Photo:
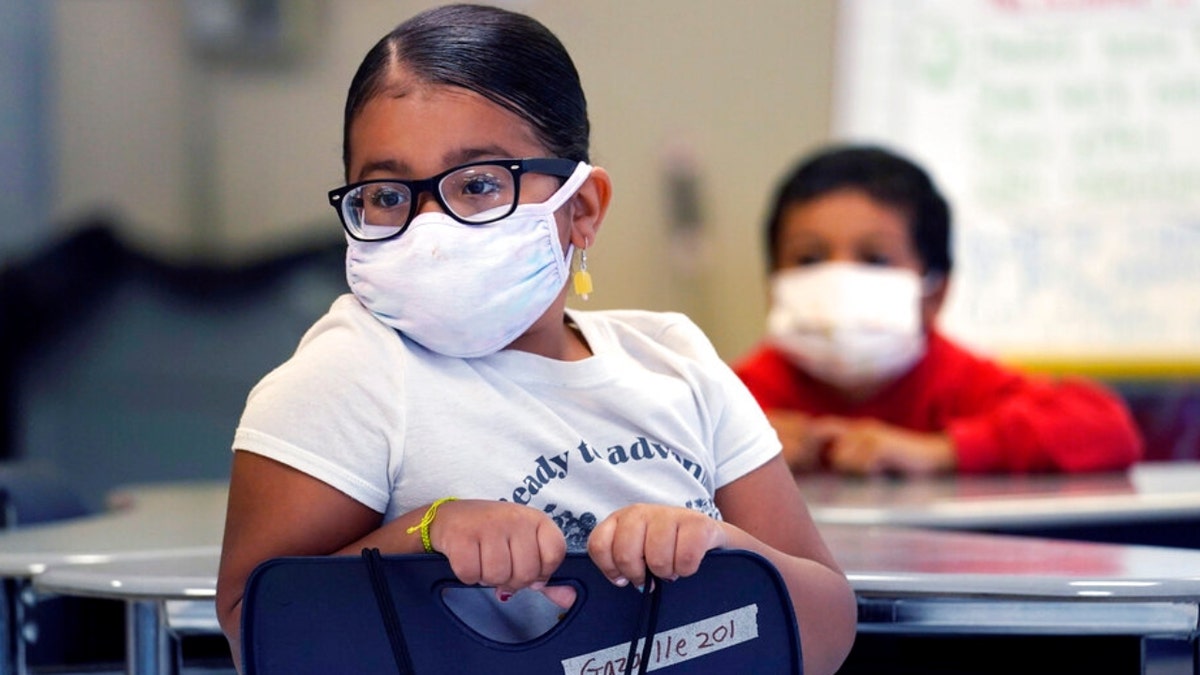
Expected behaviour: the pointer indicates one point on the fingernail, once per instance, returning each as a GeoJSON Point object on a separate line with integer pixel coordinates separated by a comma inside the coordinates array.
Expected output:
{"type": "Point", "coordinates": [503, 595]}
{"type": "Point", "coordinates": [537, 585]}
{"type": "Point", "coordinates": [620, 582]}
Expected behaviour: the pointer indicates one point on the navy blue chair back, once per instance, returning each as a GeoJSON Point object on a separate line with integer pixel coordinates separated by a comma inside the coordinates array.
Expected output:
{"type": "Point", "coordinates": [323, 615]}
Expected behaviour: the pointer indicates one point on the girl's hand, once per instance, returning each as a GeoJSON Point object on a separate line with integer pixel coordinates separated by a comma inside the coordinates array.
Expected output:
{"type": "Point", "coordinates": [669, 540]}
{"type": "Point", "coordinates": [498, 544]}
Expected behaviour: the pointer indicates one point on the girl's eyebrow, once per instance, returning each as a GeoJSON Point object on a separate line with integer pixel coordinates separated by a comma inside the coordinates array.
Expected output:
{"type": "Point", "coordinates": [387, 166]}
{"type": "Point", "coordinates": [395, 167]}
{"type": "Point", "coordinates": [471, 154]}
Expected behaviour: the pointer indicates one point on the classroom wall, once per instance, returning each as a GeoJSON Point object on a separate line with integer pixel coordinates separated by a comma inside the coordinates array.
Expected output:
{"type": "Point", "coordinates": [231, 159]}
{"type": "Point", "coordinates": [24, 171]}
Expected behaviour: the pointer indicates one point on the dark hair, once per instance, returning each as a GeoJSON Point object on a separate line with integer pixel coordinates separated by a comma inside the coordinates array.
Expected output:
{"type": "Point", "coordinates": [886, 177]}
{"type": "Point", "coordinates": [508, 58]}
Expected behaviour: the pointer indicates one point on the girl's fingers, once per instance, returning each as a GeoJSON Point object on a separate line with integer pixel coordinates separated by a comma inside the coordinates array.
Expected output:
{"type": "Point", "coordinates": [502, 545]}
{"type": "Point", "coordinates": [496, 556]}
{"type": "Point", "coordinates": [671, 542]}
{"type": "Point", "coordinates": [563, 596]}
{"type": "Point", "coordinates": [600, 549]}
{"type": "Point", "coordinates": [628, 546]}
{"type": "Point", "coordinates": [464, 562]}
{"type": "Point", "coordinates": [691, 543]}
{"type": "Point", "coordinates": [659, 547]}
{"type": "Point", "coordinates": [552, 548]}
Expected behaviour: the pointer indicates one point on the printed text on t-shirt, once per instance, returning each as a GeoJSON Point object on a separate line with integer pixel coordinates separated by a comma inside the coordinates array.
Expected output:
{"type": "Point", "coordinates": [548, 468]}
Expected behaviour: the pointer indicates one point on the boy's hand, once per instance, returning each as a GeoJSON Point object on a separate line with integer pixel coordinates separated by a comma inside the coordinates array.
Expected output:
{"type": "Point", "coordinates": [871, 447]}
{"type": "Point", "coordinates": [801, 447]}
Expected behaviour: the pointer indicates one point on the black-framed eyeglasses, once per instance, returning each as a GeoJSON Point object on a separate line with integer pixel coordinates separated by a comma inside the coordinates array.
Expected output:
{"type": "Point", "coordinates": [475, 193]}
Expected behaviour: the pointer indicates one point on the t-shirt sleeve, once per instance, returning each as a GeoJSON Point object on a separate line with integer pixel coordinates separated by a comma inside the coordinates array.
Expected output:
{"type": "Point", "coordinates": [742, 438]}
{"type": "Point", "coordinates": [329, 410]}
{"type": "Point", "coordinates": [768, 377]}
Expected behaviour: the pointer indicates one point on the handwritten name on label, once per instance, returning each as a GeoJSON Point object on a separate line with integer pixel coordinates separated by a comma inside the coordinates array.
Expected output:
{"type": "Point", "coordinates": [673, 646]}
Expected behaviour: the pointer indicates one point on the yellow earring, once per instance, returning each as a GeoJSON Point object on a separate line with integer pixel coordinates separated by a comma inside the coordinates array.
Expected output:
{"type": "Point", "coordinates": [581, 278]}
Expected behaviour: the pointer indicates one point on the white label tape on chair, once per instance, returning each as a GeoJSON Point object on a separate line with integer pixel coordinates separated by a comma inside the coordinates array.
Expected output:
{"type": "Point", "coordinates": [677, 645]}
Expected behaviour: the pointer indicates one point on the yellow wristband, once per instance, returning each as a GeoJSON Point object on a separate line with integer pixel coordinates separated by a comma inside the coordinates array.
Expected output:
{"type": "Point", "coordinates": [427, 520]}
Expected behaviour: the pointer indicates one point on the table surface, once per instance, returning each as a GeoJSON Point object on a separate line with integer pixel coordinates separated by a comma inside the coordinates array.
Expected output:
{"type": "Point", "coordinates": [155, 519]}
{"type": "Point", "coordinates": [163, 543]}
{"type": "Point", "coordinates": [158, 529]}
{"type": "Point", "coordinates": [181, 575]}
{"type": "Point", "coordinates": [942, 582]}
{"type": "Point", "coordinates": [933, 562]}
{"type": "Point", "coordinates": [1147, 492]}
{"type": "Point", "coordinates": [146, 521]}
{"type": "Point", "coordinates": [876, 559]}
{"type": "Point", "coordinates": [950, 580]}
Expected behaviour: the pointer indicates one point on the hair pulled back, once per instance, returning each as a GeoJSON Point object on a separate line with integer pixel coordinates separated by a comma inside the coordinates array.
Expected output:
{"type": "Point", "coordinates": [509, 58]}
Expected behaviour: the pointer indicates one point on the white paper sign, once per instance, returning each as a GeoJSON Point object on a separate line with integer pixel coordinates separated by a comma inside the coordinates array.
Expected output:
{"type": "Point", "coordinates": [1065, 135]}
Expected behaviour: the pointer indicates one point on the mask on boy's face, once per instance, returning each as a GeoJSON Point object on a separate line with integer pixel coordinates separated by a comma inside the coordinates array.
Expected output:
{"type": "Point", "coordinates": [846, 324]}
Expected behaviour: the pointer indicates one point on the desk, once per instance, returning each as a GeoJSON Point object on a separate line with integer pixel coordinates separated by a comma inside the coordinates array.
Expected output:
{"type": "Point", "coordinates": [1143, 602]}
{"type": "Point", "coordinates": [1135, 608]}
{"type": "Point", "coordinates": [1153, 503]}
{"type": "Point", "coordinates": [165, 596]}
{"type": "Point", "coordinates": [147, 523]}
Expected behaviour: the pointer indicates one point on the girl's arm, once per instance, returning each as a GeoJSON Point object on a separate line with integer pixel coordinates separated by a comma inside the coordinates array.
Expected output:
{"type": "Point", "coordinates": [763, 512]}
{"type": "Point", "coordinates": [275, 510]}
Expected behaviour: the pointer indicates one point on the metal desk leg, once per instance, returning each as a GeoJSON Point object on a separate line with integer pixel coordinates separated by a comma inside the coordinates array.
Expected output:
{"type": "Point", "coordinates": [148, 647]}
{"type": "Point", "coordinates": [1162, 656]}
{"type": "Point", "coordinates": [9, 633]}
{"type": "Point", "coordinates": [16, 597]}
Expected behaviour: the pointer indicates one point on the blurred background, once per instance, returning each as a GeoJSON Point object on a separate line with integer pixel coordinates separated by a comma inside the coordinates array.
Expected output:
{"type": "Point", "coordinates": [165, 165]}
{"type": "Point", "coordinates": [212, 128]}
{"type": "Point", "coordinates": [165, 237]}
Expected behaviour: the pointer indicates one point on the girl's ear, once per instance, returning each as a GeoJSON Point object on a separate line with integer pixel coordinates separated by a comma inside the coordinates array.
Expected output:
{"type": "Point", "coordinates": [588, 207]}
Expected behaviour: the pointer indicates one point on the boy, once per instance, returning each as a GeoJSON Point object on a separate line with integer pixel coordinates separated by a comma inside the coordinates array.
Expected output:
{"type": "Point", "coordinates": [853, 372]}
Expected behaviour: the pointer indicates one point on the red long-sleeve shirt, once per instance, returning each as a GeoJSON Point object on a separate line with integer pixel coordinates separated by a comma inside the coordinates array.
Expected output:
{"type": "Point", "coordinates": [998, 419]}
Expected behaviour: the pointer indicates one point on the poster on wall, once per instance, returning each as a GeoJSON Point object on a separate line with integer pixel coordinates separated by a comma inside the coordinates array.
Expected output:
{"type": "Point", "coordinates": [1066, 136]}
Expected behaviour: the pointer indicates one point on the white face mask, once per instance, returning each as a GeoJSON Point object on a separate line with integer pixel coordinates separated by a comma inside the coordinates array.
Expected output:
{"type": "Point", "coordinates": [466, 290]}
{"type": "Point", "coordinates": [848, 325]}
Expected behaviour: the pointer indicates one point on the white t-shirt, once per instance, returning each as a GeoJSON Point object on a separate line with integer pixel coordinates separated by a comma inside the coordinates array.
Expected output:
{"type": "Point", "coordinates": [653, 416]}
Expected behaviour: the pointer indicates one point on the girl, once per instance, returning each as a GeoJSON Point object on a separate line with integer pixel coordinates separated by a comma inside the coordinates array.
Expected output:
{"type": "Point", "coordinates": [455, 370]}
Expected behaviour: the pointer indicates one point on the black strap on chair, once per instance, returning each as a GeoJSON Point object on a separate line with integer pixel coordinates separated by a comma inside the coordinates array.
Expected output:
{"type": "Point", "coordinates": [646, 626]}
{"type": "Point", "coordinates": [387, 610]}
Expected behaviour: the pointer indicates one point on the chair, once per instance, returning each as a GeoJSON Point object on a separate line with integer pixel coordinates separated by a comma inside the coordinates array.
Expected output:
{"type": "Point", "coordinates": [380, 614]}
{"type": "Point", "coordinates": [40, 631]}
{"type": "Point", "coordinates": [32, 494]}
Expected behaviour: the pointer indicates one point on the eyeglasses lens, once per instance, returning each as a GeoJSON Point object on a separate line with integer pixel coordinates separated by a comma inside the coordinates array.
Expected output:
{"type": "Point", "coordinates": [377, 210]}
{"type": "Point", "coordinates": [473, 194]}
{"type": "Point", "coordinates": [477, 194]}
